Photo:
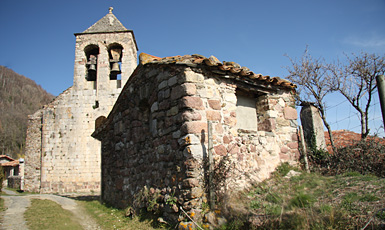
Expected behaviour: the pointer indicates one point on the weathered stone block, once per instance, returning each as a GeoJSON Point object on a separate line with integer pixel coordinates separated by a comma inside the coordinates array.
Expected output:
{"type": "Point", "coordinates": [284, 149]}
{"type": "Point", "coordinates": [189, 139]}
{"type": "Point", "coordinates": [267, 125]}
{"type": "Point", "coordinates": [290, 113]}
{"type": "Point", "coordinates": [190, 88]}
{"type": "Point", "coordinates": [227, 139]}
{"type": "Point", "coordinates": [191, 164]}
{"type": "Point", "coordinates": [195, 151]}
{"type": "Point", "coordinates": [164, 105]}
{"type": "Point", "coordinates": [194, 127]}
{"type": "Point", "coordinates": [196, 192]}
{"type": "Point", "coordinates": [162, 85]}
{"type": "Point", "coordinates": [194, 77]}
{"type": "Point", "coordinates": [192, 102]}
{"type": "Point", "coordinates": [284, 156]}
{"type": "Point", "coordinates": [233, 149]}
{"type": "Point", "coordinates": [213, 115]}
{"type": "Point", "coordinates": [230, 121]}
{"type": "Point", "coordinates": [172, 81]}
{"type": "Point", "coordinates": [191, 116]}
{"type": "Point", "coordinates": [173, 111]}
{"type": "Point", "coordinates": [282, 122]}
{"type": "Point", "coordinates": [293, 145]}
{"type": "Point", "coordinates": [154, 107]}
{"type": "Point", "coordinates": [190, 183]}
{"type": "Point", "coordinates": [219, 128]}
{"type": "Point", "coordinates": [215, 104]}
{"type": "Point", "coordinates": [220, 150]}
{"type": "Point", "coordinates": [177, 92]}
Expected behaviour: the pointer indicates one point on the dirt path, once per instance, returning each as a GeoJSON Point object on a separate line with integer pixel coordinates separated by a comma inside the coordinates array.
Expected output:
{"type": "Point", "coordinates": [16, 205]}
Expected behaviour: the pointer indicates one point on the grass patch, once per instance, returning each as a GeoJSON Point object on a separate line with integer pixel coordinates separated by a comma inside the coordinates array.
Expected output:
{"type": "Point", "coordinates": [2, 208]}
{"type": "Point", "coordinates": [302, 200]}
{"type": "Point", "coordinates": [112, 218]}
{"type": "Point", "coordinates": [313, 201]}
{"type": "Point", "coordinates": [47, 214]}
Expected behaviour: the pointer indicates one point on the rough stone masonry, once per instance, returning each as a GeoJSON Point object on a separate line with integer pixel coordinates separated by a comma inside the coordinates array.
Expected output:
{"type": "Point", "coordinates": [154, 141]}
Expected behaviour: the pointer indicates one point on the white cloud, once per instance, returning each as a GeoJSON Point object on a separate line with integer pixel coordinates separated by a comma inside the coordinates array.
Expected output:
{"type": "Point", "coordinates": [371, 41]}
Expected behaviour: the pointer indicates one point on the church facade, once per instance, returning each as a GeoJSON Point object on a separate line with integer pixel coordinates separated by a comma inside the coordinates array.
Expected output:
{"type": "Point", "coordinates": [61, 156]}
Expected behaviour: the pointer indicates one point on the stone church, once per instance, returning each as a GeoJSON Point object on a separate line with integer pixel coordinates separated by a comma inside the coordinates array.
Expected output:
{"type": "Point", "coordinates": [61, 156]}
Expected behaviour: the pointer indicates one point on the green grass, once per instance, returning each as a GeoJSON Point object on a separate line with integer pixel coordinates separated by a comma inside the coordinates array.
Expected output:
{"type": "Point", "coordinates": [46, 214]}
{"type": "Point", "coordinates": [312, 201]}
{"type": "Point", "coordinates": [2, 208]}
{"type": "Point", "coordinates": [112, 218]}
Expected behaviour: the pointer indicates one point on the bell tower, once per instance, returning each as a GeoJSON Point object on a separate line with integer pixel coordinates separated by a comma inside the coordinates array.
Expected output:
{"type": "Point", "coordinates": [105, 56]}
{"type": "Point", "coordinates": [61, 156]}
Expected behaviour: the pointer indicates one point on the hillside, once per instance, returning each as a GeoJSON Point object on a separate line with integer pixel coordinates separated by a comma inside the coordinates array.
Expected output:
{"type": "Point", "coordinates": [19, 97]}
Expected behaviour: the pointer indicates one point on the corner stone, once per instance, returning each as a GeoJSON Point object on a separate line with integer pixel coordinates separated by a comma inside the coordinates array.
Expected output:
{"type": "Point", "coordinates": [290, 113]}
{"type": "Point", "coordinates": [192, 102]}
{"type": "Point", "coordinates": [194, 127]}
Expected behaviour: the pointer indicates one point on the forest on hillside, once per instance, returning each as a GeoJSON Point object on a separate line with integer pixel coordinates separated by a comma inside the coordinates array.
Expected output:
{"type": "Point", "coordinates": [19, 97]}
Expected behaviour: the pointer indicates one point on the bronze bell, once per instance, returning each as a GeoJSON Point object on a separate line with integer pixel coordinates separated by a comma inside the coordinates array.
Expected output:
{"type": "Point", "coordinates": [92, 67]}
{"type": "Point", "coordinates": [92, 63]}
{"type": "Point", "coordinates": [115, 68]}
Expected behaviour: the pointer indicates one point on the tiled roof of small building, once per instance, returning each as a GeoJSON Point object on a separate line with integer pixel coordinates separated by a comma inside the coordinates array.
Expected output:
{"type": "Point", "coordinates": [7, 157]}
{"type": "Point", "coordinates": [108, 23]}
{"type": "Point", "coordinates": [224, 68]}
{"type": "Point", "coordinates": [10, 163]}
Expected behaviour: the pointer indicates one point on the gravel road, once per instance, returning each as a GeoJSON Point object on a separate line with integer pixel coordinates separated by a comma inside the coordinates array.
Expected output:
{"type": "Point", "coordinates": [13, 217]}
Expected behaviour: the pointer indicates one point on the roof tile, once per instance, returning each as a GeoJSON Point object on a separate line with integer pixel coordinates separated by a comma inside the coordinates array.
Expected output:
{"type": "Point", "coordinates": [10, 163]}
{"type": "Point", "coordinates": [217, 67]}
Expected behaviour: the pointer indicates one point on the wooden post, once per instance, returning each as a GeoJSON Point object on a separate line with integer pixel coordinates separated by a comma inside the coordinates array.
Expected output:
{"type": "Point", "coordinates": [211, 166]}
{"type": "Point", "coordinates": [303, 148]}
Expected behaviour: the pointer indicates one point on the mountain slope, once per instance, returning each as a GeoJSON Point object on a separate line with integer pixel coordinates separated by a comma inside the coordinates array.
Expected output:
{"type": "Point", "coordinates": [19, 97]}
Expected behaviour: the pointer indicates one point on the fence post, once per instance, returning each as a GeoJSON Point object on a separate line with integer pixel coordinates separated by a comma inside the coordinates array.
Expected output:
{"type": "Point", "coordinates": [211, 162]}
{"type": "Point", "coordinates": [303, 148]}
{"type": "Point", "coordinates": [381, 94]}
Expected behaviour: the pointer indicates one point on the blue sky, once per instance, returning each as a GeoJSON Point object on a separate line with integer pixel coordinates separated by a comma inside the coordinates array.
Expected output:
{"type": "Point", "coordinates": [37, 36]}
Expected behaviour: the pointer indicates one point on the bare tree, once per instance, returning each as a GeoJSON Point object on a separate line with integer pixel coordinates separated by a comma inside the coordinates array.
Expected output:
{"type": "Point", "coordinates": [314, 81]}
{"type": "Point", "coordinates": [357, 83]}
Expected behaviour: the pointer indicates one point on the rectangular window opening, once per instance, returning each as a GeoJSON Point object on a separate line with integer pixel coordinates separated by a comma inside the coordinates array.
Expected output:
{"type": "Point", "coordinates": [246, 111]}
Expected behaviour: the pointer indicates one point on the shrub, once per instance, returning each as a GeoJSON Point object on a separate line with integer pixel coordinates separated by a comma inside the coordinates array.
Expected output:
{"type": "Point", "coordinates": [283, 169]}
{"type": "Point", "coordinates": [302, 200]}
{"type": "Point", "coordinates": [365, 157]}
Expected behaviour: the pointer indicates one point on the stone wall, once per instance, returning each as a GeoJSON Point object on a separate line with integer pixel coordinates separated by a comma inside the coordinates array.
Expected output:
{"type": "Point", "coordinates": [154, 142]}
{"type": "Point", "coordinates": [32, 172]}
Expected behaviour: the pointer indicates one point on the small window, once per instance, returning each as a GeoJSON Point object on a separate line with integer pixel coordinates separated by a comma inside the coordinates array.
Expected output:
{"type": "Point", "coordinates": [246, 111]}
